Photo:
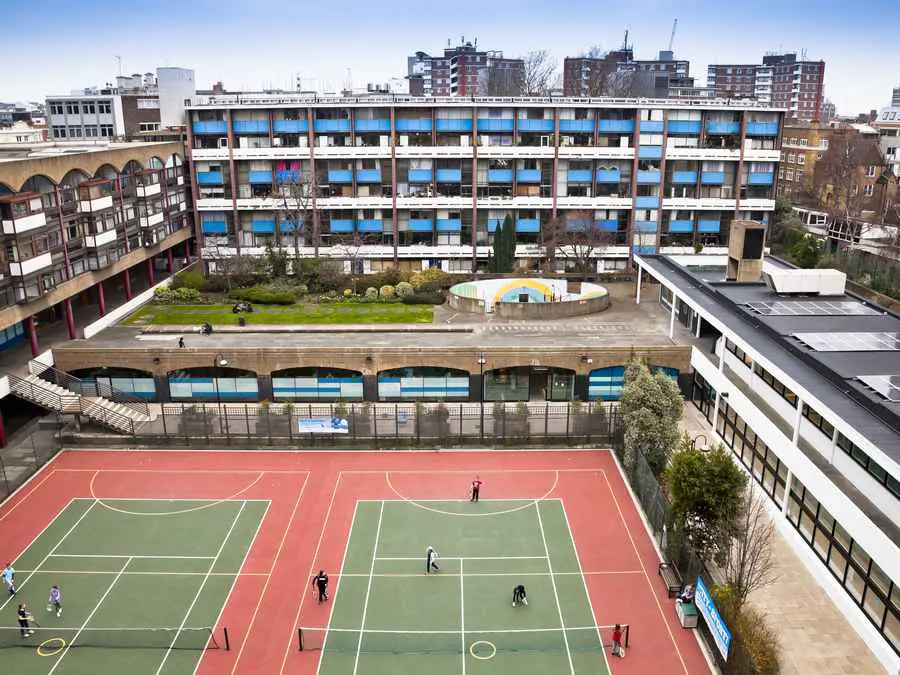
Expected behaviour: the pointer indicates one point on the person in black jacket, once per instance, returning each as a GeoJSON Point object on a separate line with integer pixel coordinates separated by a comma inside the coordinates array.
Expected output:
{"type": "Point", "coordinates": [320, 581]}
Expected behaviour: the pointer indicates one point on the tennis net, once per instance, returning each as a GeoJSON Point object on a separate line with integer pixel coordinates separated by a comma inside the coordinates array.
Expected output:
{"type": "Point", "coordinates": [51, 638]}
{"type": "Point", "coordinates": [581, 638]}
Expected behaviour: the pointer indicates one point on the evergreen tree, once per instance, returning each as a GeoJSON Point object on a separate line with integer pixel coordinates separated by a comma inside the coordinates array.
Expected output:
{"type": "Point", "coordinates": [504, 251]}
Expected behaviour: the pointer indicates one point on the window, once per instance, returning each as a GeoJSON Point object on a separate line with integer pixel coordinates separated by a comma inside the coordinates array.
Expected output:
{"type": "Point", "coordinates": [801, 158]}
{"type": "Point", "coordinates": [149, 126]}
{"type": "Point", "coordinates": [148, 103]}
{"type": "Point", "coordinates": [104, 107]}
{"type": "Point", "coordinates": [106, 130]}
{"type": "Point", "coordinates": [854, 189]}
{"type": "Point", "coordinates": [779, 388]}
{"type": "Point", "coordinates": [59, 132]}
{"type": "Point", "coordinates": [71, 108]}
{"type": "Point", "coordinates": [738, 352]}
{"type": "Point", "coordinates": [871, 172]}
{"type": "Point", "coordinates": [90, 132]}
{"type": "Point", "coordinates": [868, 190]}
{"type": "Point", "coordinates": [88, 108]}
{"type": "Point", "coordinates": [57, 109]}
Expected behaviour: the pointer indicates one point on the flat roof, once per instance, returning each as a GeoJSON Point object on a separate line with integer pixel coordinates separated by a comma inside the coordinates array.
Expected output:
{"type": "Point", "coordinates": [20, 151]}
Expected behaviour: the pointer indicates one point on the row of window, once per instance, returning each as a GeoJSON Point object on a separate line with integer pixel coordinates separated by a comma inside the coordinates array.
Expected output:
{"type": "Point", "coordinates": [872, 467]}
{"type": "Point", "coordinates": [85, 108]}
{"type": "Point", "coordinates": [818, 421]}
{"type": "Point", "coordinates": [739, 353]}
{"type": "Point", "coordinates": [102, 131]}
{"type": "Point", "coordinates": [773, 382]}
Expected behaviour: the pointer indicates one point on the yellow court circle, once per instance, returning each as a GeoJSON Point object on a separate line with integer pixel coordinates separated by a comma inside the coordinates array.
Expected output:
{"type": "Point", "coordinates": [44, 649]}
{"type": "Point", "coordinates": [478, 643]}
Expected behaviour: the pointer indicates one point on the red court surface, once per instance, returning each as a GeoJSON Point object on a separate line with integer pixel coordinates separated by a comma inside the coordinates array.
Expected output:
{"type": "Point", "coordinates": [313, 496]}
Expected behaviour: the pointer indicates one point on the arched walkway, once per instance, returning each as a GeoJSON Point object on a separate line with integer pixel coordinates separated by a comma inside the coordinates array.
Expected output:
{"type": "Point", "coordinates": [210, 384]}
{"type": "Point", "coordinates": [423, 383]}
{"type": "Point", "coordinates": [317, 384]}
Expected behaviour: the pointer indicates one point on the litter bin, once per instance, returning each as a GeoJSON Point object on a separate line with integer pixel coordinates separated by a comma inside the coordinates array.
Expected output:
{"type": "Point", "coordinates": [687, 614]}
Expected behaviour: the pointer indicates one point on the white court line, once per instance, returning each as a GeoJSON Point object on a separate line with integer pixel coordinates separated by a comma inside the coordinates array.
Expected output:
{"type": "Point", "coordinates": [44, 479]}
{"type": "Point", "coordinates": [467, 557]}
{"type": "Point", "coordinates": [562, 622]}
{"type": "Point", "coordinates": [200, 589]}
{"type": "Point", "coordinates": [152, 574]}
{"type": "Point", "coordinates": [89, 617]}
{"type": "Point", "coordinates": [480, 471]}
{"type": "Point", "coordinates": [362, 623]}
{"type": "Point", "coordinates": [490, 574]}
{"type": "Point", "coordinates": [168, 499]}
{"type": "Point", "coordinates": [500, 631]}
{"type": "Point", "coordinates": [192, 451]}
{"type": "Point", "coordinates": [462, 615]}
{"type": "Point", "coordinates": [136, 557]}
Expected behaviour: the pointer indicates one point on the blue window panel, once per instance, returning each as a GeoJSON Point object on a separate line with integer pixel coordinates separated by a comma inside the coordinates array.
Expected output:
{"type": "Point", "coordinates": [500, 175]}
{"type": "Point", "coordinates": [449, 175]}
{"type": "Point", "coordinates": [616, 126]}
{"type": "Point", "coordinates": [251, 126]}
{"type": "Point", "coordinates": [681, 226]}
{"type": "Point", "coordinates": [260, 177]}
{"type": "Point", "coordinates": [708, 226]}
{"type": "Point", "coordinates": [576, 126]}
{"type": "Point", "coordinates": [650, 152]}
{"type": "Point", "coordinates": [494, 223]}
{"type": "Point", "coordinates": [648, 177]}
{"type": "Point", "coordinates": [723, 128]}
{"type": "Point", "coordinates": [528, 225]}
{"type": "Point", "coordinates": [671, 373]}
{"type": "Point", "coordinates": [645, 225]}
{"type": "Point", "coordinates": [453, 125]}
{"type": "Point", "coordinates": [12, 336]}
{"type": "Point", "coordinates": [210, 178]}
{"type": "Point", "coordinates": [762, 128]}
{"type": "Point", "coordinates": [761, 178]}
{"type": "Point", "coordinates": [449, 225]}
{"type": "Point", "coordinates": [218, 127]}
{"type": "Point", "coordinates": [368, 176]}
{"type": "Point", "coordinates": [341, 226]}
{"type": "Point", "coordinates": [421, 225]}
{"type": "Point", "coordinates": [420, 124]}
{"type": "Point", "coordinates": [535, 125]}
{"type": "Point", "coordinates": [340, 176]}
{"type": "Point", "coordinates": [608, 225]}
{"type": "Point", "coordinates": [287, 226]}
{"type": "Point", "coordinates": [214, 227]}
{"type": "Point", "coordinates": [608, 176]}
{"type": "Point", "coordinates": [712, 177]}
{"type": "Point", "coordinates": [373, 125]}
{"type": "Point", "coordinates": [606, 384]}
{"type": "Point", "coordinates": [496, 125]}
{"type": "Point", "coordinates": [287, 176]}
{"type": "Point", "coordinates": [579, 176]}
{"type": "Point", "coordinates": [332, 126]}
{"type": "Point", "coordinates": [420, 175]}
{"type": "Point", "coordinates": [370, 225]}
{"type": "Point", "coordinates": [651, 126]}
{"type": "Point", "coordinates": [263, 226]}
{"type": "Point", "coordinates": [528, 175]}
{"type": "Point", "coordinates": [290, 126]}
{"type": "Point", "coordinates": [684, 177]}
{"type": "Point", "coordinates": [646, 202]}
{"type": "Point", "coordinates": [643, 250]}
{"type": "Point", "coordinates": [686, 127]}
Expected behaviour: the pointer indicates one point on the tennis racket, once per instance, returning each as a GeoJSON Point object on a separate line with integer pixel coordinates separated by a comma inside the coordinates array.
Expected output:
{"type": "Point", "coordinates": [31, 619]}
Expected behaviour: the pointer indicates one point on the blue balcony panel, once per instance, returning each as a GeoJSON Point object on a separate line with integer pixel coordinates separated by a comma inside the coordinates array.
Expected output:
{"type": "Point", "coordinates": [287, 176]}
{"type": "Point", "coordinates": [646, 202]}
{"type": "Point", "coordinates": [449, 225]}
{"type": "Point", "coordinates": [453, 125]}
{"type": "Point", "coordinates": [340, 176]}
{"type": "Point", "coordinates": [708, 226]}
{"type": "Point", "coordinates": [723, 128]}
{"type": "Point", "coordinates": [650, 152]}
{"type": "Point", "coordinates": [608, 176]}
{"type": "Point", "coordinates": [449, 175]}
{"type": "Point", "coordinates": [420, 175]}
{"type": "Point", "coordinates": [616, 126]}
{"type": "Point", "coordinates": [287, 226]}
{"type": "Point", "coordinates": [684, 177]}
{"type": "Point", "coordinates": [332, 126]}
{"type": "Point", "coordinates": [685, 127]}
{"type": "Point", "coordinates": [651, 126]}
{"type": "Point", "coordinates": [528, 225]}
{"type": "Point", "coordinates": [712, 177]}
{"type": "Point", "coordinates": [528, 175]}
{"type": "Point", "coordinates": [643, 250]}
{"type": "Point", "coordinates": [645, 225]}
{"type": "Point", "coordinates": [680, 226]}
{"type": "Point", "coordinates": [341, 226]}
{"type": "Point", "coordinates": [579, 176]}
{"type": "Point", "coordinates": [218, 127]}
{"type": "Point", "coordinates": [370, 225]}
{"type": "Point", "coordinates": [762, 128]}
{"type": "Point", "coordinates": [761, 178]}
{"type": "Point", "coordinates": [290, 126]}
{"type": "Point", "coordinates": [262, 226]}
{"type": "Point", "coordinates": [251, 126]}
{"type": "Point", "coordinates": [418, 124]}
{"type": "Point", "coordinates": [504, 125]}
{"type": "Point", "coordinates": [608, 225]}
{"type": "Point", "coordinates": [650, 177]}
{"type": "Point", "coordinates": [541, 125]}
{"type": "Point", "coordinates": [214, 227]}
{"type": "Point", "coordinates": [368, 176]}
{"type": "Point", "coordinates": [373, 126]}
{"type": "Point", "coordinates": [260, 177]}
{"type": "Point", "coordinates": [210, 178]}
{"type": "Point", "coordinates": [576, 126]}
{"type": "Point", "coordinates": [494, 223]}
{"type": "Point", "coordinates": [421, 225]}
{"type": "Point", "coordinates": [500, 175]}
{"type": "Point", "coordinates": [578, 225]}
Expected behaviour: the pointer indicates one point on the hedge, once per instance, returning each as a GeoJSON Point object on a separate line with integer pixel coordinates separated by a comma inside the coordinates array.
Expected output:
{"type": "Point", "coordinates": [263, 296]}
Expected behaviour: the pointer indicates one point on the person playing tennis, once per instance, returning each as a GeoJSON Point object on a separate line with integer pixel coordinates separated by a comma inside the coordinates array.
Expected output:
{"type": "Point", "coordinates": [320, 581]}
{"type": "Point", "coordinates": [519, 596]}
{"type": "Point", "coordinates": [431, 560]}
{"type": "Point", "coordinates": [9, 576]}
{"type": "Point", "coordinates": [54, 602]}
{"type": "Point", "coordinates": [24, 617]}
{"type": "Point", "coordinates": [476, 488]}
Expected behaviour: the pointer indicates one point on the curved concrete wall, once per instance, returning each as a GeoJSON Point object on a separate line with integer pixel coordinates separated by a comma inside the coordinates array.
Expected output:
{"type": "Point", "coordinates": [547, 298]}
{"type": "Point", "coordinates": [548, 311]}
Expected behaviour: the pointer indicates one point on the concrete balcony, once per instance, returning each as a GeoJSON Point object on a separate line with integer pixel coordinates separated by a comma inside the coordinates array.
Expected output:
{"type": "Point", "coordinates": [149, 190]}
{"type": "Point", "coordinates": [290, 126]}
{"type": "Point", "coordinates": [535, 125]}
{"type": "Point", "coordinates": [30, 266]}
{"type": "Point", "coordinates": [98, 240]}
{"type": "Point", "coordinates": [152, 219]}
{"type": "Point", "coordinates": [615, 126]}
{"type": "Point", "coordinates": [24, 224]}
{"type": "Point", "coordinates": [373, 126]}
{"type": "Point", "coordinates": [95, 205]}
{"type": "Point", "coordinates": [251, 127]}
{"type": "Point", "coordinates": [460, 126]}
{"type": "Point", "coordinates": [211, 127]}
{"type": "Point", "coordinates": [648, 177]}
{"type": "Point", "coordinates": [420, 175]}
{"type": "Point", "coordinates": [422, 124]}
{"type": "Point", "coordinates": [576, 126]}
{"type": "Point", "coordinates": [495, 125]}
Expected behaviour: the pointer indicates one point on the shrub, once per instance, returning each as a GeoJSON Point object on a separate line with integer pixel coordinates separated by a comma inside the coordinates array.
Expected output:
{"type": "Point", "coordinates": [163, 296]}
{"type": "Point", "coordinates": [263, 296]}
{"type": "Point", "coordinates": [371, 293]}
{"type": "Point", "coordinates": [431, 287]}
{"type": "Point", "coordinates": [348, 292]}
{"type": "Point", "coordinates": [186, 295]}
{"type": "Point", "coordinates": [214, 285]}
{"type": "Point", "coordinates": [301, 290]}
{"type": "Point", "coordinates": [389, 277]}
{"type": "Point", "coordinates": [418, 298]}
{"type": "Point", "coordinates": [432, 275]}
{"type": "Point", "coordinates": [404, 288]}
{"type": "Point", "coordinates": [192, 279]}
{"type": "Point", "coordinates": [386, 292]}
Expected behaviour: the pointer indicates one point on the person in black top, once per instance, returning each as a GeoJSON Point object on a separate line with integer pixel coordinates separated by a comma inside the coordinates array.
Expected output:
{"type": "Point", "coordinates": [476, 488]}
{"type": "Point", "coordinates": [320, 581]}
{"type": "Point", "coordinates": [24, 618]}
{"type": "Point", "coordinates": [519, 597]}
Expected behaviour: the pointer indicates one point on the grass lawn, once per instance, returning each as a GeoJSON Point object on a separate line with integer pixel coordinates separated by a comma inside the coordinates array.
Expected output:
{"type": "Point", "coordinates": [221, 315]}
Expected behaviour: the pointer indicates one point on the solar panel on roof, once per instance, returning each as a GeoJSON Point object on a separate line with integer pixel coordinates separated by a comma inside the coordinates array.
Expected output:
{"type": "Point", "coordinates": [812, 308]}
{"type": "Point", "coordinates": [886, 385]}
{"type": "Point", "coordinates": [850, 342]}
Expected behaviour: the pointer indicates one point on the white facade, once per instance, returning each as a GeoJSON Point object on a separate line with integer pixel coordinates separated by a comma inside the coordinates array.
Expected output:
{"type": "Point", "coordinates": [85, 116]}
{"type": "Point", "coordinates": [888, 125]}
{"type": "Point", "coordinates": [21, 132]}
{"type": "Point", "coordinates": [175, 85]}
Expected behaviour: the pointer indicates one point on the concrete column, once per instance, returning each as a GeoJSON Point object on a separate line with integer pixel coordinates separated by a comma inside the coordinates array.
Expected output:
{"type": "Point", "coordinates": [672, 316]}
{"type": "Point", "coordinates": [370, 387]}
{"type": "Point", "coordinates": [126, 278]}
{"type": "Point", "coordinates": [640, 277]}
{"type": "Point", "coordinates": [797, 417]}
{"type": "Point", "coordinates": [582, 386]}
{"type": "Point", "coordinates": [699, 324]}
{"type": "Point", "coordinates": [70, 318]}
{"type": "Point", "coordinates": [161, 383]}
{"type": "Point", "coordinates": [170, 260]}
{"type": "Point", "coordinates": [264, 386]}
{"type": "Point", "coordinates": [787, 492]}
{"type": "Point", "coordinates": [101, 298]}
{"type": "Point", "coordinates": [151, 274]}
{"type": "Point", "coordinates": [2, 431]}
{"type": "Point", "coordinates": [32, 336]}
{"type": "Point", "coordinates": [476, 387]}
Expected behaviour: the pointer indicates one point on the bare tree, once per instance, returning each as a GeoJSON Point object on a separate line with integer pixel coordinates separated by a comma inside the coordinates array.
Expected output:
{"type": "Point", "coordinates": [576, 239]}
{"type": "Point", "coordinates": [350, 247]}
{"type": "Point", "coordinates": [299, 196]}
{"type": "Point", "coordinates": [540, 73]}
{"type": "Point", "coordinates": [749, 565]}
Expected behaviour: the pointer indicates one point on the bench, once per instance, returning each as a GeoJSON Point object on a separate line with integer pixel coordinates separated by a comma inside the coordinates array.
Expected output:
{"type": "Point", "coordinates": [672, 578]}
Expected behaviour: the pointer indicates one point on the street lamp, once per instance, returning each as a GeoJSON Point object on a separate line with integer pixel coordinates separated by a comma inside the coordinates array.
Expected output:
{"type": "Point", "coordinates": [481, 361]}
{"type": "Point", "coordinates": [218, 362]}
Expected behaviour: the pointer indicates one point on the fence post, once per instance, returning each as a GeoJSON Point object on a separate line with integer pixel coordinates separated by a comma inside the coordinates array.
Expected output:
{"type": "Point", "coordinates": [396, 423]}
{"type": "Point", "coordinates": [546, 419]}
{"type": "Point", "coordinates": [5, 477]}
{"type": "Point", "coordinates": [247, 419]}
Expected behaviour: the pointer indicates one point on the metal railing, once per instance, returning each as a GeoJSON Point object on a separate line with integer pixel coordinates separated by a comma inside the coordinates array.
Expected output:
{"type": "Point", "coordinates": [96, 388]}
{"type": "Point", "coordinates": [108, 418]}
{"type": "Point", "coordinates": [36, 394]}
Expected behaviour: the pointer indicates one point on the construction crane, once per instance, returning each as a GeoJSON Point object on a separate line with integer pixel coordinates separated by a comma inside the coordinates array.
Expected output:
{"type": "Point", "coordinates": [672, 36]}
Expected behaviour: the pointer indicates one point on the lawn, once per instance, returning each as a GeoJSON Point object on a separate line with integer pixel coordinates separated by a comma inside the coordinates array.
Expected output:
{"type": "Point", "coordinates": [221, 315]}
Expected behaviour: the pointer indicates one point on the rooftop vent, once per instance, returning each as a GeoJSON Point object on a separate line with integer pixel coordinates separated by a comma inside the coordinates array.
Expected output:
{"type": "Point", "coordinates": [805, 282]}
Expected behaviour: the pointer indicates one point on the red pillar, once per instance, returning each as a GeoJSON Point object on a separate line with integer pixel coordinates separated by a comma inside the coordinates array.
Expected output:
{"type": "Point", "coordinates": [151, 275]}
{"type": "Point", "coordinates": [70, 318]}
{"type": "Point", "coordinates": [32, 336]}
{"type": "Point", "coordinates": [101, 299]}
{"type": "Point", "coordinates": [126, 277]}
{"type": "Point", "coordinates": [2, 432]}
{"type": "Point", "coordinates": [170, 257]}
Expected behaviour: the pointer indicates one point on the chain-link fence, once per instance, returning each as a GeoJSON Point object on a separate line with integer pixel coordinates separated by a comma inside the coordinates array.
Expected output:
{"type": "Point", "coordinates": [36, 445]}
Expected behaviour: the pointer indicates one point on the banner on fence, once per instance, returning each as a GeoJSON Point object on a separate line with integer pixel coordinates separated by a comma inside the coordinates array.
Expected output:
{"type": "Point", "coordinates": [714, 620]}
{"type": "Point", "coordinates": [335, 425]}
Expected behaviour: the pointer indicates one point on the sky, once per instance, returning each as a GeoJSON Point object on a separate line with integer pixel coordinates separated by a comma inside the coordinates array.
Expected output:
{"type": "Point", "coordinates": [51, 46]}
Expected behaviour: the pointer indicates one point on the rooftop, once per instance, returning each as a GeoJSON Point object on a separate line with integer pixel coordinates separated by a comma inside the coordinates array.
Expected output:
{"type": "Point", "coordinates": [20, 151]}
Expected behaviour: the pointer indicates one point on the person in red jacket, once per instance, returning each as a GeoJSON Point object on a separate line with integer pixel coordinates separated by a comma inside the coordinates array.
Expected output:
{"type": "Point", "coordinates": [476, 488]}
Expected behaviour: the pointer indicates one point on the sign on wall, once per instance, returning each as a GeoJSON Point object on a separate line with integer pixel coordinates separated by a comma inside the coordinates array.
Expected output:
{"type": "Point", "coordinates": [714, 620]}
{"type": "Point", "coordinates": [335, 425]}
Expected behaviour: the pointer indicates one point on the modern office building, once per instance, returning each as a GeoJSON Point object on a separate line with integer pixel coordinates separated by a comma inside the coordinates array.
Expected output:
{"type": "Point", "coordinates": [617, 70]}
{"type": "Point", "coordinates": [426, 183]}
{"type": "Point", "coordinates": [799, 378]}
{"type": "Point", "coordinates": [464, 71]}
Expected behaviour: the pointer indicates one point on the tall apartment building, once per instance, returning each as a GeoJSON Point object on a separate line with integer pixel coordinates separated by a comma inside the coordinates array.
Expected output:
{"type": "Point", "coordinates": [895, 98]}
{"type": "Point", "coordinates": [888, 125]}
{"type": "Point", "coordinates": [427, 184]}
{"type": "Point", "coordinates": [781, 80]}
{"type": "Point", "coordinates": [602, 76]}
{"type": "Point", "coordinates": [464, 71]}
{"type": "Point", "coordinates": [802, 145]}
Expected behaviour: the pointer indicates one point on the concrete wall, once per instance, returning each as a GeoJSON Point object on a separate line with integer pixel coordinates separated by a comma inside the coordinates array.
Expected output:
{"type": "Point", "coordinates": [548, 311]}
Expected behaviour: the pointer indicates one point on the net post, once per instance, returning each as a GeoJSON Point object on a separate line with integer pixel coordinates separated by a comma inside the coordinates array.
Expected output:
{"type": "Point", "coordinates": [225, 635]}
{"type": "Point", "coordinates": [300, 639]}
{"type": "Point", "coordinates": [627, 634]}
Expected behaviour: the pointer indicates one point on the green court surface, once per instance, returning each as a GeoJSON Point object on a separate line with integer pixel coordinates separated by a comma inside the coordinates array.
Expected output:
{"type": "Point", "coordinates": [391, 617]}
{"type": "Point", "coordinates": [142, 581]}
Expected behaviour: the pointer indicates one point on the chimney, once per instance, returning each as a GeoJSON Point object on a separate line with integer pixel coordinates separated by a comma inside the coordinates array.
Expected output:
{"type": "Point", "coordinates": [745, 251]}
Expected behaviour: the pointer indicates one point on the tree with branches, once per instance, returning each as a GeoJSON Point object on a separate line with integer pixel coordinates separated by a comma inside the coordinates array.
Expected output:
{"type": "Point", "coordinates": [299, 194]}
{"type": "Point", "coordinates": [350, 247]}
{"type": "Point", "coordinates": [539, 76]}
{"type": "Point", "coordinates": [575, 239]}
{"type": "Point", "coordinates": [651, 406]}
{"type": "Point", "coordinates": [749, 565]}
